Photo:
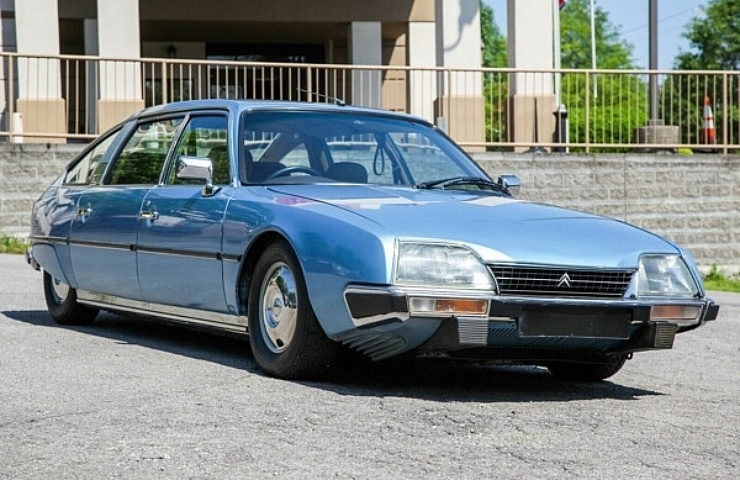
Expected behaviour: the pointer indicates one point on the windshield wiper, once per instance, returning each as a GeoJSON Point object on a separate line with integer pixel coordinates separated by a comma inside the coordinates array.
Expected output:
{"type": "Point", "coordinates": [458, 181]}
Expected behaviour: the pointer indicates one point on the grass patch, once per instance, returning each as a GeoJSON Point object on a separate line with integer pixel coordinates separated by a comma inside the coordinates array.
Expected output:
{"type": "Point", "coordinates": [716, 280]}
{"type": "Point", "coordinates": [10, 244]}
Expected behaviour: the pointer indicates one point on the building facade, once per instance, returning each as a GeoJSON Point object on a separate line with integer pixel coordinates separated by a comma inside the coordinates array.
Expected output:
{"type": "Point", "coordinates": [411, 33]}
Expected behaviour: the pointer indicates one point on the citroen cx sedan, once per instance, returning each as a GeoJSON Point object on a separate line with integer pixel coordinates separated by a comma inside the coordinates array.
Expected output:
{"type": "Point", "coordinates": [314, 228]}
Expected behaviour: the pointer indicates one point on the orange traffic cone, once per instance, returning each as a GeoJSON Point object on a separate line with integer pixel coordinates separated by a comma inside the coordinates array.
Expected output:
{"type": "Point", "coordinates": [708, 134]}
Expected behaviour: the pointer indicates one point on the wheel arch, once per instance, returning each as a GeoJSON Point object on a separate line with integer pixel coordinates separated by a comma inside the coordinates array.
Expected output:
{"type": "Point", "coordinates": [249, 260]}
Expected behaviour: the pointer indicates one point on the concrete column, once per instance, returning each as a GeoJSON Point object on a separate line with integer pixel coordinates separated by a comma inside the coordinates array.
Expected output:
{"type": "Point", "coordinates": [7, 44]}
{"type": "Point", "coordinates": [366, 48]}
{"type": "Point", "coordinates": [90, 27]}
{"type": "Point", "coordinates": [460, 101]}
{"type": "Point", "coordinates": [120, 81]}
{"type": "Point", "coordinates": [422, 83]}
{"type": "Point", "coordinates": [532, 97]}
{"type": "Point", "coordinates": [40, 101]}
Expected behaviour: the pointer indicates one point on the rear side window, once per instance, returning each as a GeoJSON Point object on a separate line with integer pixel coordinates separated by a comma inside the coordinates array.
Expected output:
{"type": "Point", "coordinates": [142, 158]}
{"type": "Point", "coordinates": [88, 169]}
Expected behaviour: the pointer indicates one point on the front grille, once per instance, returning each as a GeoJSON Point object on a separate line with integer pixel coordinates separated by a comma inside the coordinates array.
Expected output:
{"type": "Point", "coordinates": [561, 282]}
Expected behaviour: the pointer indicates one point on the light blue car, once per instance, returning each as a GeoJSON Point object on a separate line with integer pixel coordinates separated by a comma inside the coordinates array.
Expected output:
{"type": "Point", "coordinates": [318, 227]}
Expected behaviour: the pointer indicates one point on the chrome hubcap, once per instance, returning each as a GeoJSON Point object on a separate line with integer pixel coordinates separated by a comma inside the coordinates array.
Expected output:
{"type": "Point", "coordinates": [59, 289]}
{"type": "Point", "coordinates": [278, 307]}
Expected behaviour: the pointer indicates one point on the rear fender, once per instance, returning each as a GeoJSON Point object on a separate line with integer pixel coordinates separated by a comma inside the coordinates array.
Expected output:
{"type": "Point", "coordinates": [46, 256]}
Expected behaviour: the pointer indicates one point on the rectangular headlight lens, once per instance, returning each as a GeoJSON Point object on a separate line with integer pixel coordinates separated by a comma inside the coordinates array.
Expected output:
{"type": "Point", "coordinates": [441, 265]}
{"type": "Point", "coordinates": [665, 275]}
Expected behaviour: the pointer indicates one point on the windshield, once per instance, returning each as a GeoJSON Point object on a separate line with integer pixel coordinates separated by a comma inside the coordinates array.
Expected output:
{"type": "Point", "coordinates": [312, 147]}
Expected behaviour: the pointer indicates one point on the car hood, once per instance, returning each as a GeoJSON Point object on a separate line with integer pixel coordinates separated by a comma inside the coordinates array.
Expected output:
{"type": "Point", "coordinates": [500, 229]}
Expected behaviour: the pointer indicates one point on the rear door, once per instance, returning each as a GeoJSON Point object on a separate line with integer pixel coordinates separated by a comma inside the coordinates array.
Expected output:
{"type": "Point", "coordinates": [105, 225]}
{"type": "Point", "coordinates": [55, 211]}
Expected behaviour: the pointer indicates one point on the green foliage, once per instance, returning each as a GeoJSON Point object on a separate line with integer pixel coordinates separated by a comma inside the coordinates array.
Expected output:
{"type": "Point", "coordinates": [575, 39]}
{"type": "Point", "coordinates": [715, 45]}
{"type": "Point", "coordinates": [10, 244]}
{"type": "Point", "coordinates": [714, 38]}
{"type": "Point", "coordinates": [495, 85]}
{"type": "Point", "coordinates": [685, 96]}
{"type": "Point", "coordinates": [715, 280]}
{"type": "Point", "coordinates": [613, 115]}
{"type": "Point", "coordinates": [496, 93]}
{"type": "Point", "coordinates": [494, 43]}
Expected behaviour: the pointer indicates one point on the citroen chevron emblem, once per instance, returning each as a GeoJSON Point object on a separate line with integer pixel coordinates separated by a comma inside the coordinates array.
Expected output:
{"type": "Point", "coordinates": [564, 281]}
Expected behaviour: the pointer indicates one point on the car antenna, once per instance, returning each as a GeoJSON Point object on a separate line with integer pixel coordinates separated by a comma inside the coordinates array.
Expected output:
{"type": "Point", "coordinates": [321, 96]}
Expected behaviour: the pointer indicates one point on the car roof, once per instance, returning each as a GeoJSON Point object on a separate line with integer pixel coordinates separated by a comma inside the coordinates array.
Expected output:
{"type": "Point", "coordinates": [238, 106]}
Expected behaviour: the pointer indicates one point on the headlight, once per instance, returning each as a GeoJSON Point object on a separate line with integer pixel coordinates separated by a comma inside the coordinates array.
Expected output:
{"type": "Point", "coordinates": [440, 265]}
{"type": "Point", "coordinates": [665, 275]}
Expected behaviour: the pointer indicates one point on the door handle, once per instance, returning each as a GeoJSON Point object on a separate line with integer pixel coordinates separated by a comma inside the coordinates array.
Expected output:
{"type": "Point", "coordinates": [149, 216]}
{"type": "Point", "coordinates": [83, 212]}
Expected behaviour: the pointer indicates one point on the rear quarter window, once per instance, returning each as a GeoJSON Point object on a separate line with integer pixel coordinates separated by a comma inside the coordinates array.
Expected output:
{"type": "Point", "coordinates": [89, 168]}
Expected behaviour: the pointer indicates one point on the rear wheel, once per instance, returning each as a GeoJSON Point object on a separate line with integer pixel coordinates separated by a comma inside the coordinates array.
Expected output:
{"type": "Point", "coordinates": [61, 301]}
{"type": "Point", "coordinates": [587, 372]}
{"type": "Point", "coordinates": [286, 339]}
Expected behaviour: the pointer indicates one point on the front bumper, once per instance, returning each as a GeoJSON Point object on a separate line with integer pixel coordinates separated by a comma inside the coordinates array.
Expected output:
{"type": "Point", "coordinates": [517, 327]}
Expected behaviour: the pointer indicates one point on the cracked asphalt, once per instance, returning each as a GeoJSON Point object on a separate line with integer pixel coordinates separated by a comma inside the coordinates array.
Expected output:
{"type": "Point", "coordinates": [128, 398]}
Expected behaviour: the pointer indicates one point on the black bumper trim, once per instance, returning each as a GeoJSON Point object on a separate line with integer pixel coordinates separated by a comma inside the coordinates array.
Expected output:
{"type": "Point", "coordinates": [370, 304]}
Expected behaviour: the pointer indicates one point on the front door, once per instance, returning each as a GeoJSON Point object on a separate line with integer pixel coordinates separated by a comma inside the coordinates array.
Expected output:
{"type": "Point", "coordinates": [179, 244]}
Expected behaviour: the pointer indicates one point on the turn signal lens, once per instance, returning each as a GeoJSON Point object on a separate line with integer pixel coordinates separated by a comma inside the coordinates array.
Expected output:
{"type": "Point", "coordinates": [674, 312]}
{"type": "Point", "coordinates": [448, 306]}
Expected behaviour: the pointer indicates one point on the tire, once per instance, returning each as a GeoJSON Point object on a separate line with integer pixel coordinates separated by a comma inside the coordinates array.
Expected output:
{"type": "Point", "coordinates": [587, 372]}
{"type": "Point", "coordinates": [61, 301]}
{"type": "Point", "coordinates": [286, 338]}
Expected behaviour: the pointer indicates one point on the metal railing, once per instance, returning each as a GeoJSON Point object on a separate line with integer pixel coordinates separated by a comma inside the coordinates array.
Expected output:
{"type": "Point", "coordinates": [493, 109]}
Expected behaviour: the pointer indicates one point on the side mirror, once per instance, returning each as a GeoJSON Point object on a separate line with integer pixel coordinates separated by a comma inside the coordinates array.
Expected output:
{"type": "Point", "coordinates": [510, 183]}
{"type": "Point", "coordinates": [197, 168]}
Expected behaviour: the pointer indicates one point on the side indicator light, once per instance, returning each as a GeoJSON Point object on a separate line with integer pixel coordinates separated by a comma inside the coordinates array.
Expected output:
{"type": "Point", "coordinates": [674, 312]}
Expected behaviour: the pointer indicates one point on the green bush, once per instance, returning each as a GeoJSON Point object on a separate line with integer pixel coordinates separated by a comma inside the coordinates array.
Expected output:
{"type": "Point", "coordinates": [716, 280]}
{"type": "Point", "coordinates": [10, 244]}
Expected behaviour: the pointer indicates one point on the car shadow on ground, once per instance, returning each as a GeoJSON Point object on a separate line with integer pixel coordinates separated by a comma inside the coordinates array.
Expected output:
{"type": "Point", "coordinates": [230, 351]}
{"type": "Point", "coordinates": [448, 381]}
{"type": "Point", "coordinates": [433, 380]}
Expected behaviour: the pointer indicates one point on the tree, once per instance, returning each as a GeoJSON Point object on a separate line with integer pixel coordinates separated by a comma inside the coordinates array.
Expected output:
{"type": "Point", "coordinates": [608, 121]}
{"type": "Point", "coordinates": [714, 38]}
{"type": "Point", "coordinates": [612, 115]}
{"type": "Point", "coordinates": [715, 45]}
{"type": "Point", "coordinates": [495, 83]}
{"type": "Point", "coordinates": [494, 43]}
{"type": "Point", "coordinates": [575, 39]}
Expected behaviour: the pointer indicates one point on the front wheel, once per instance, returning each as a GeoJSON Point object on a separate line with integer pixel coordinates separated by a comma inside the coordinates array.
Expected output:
{"type": "Point", "coordinates": [286, 338]}
{"type": "Point", "coordinates": [61, 301]}
{"type": "Point", "coordinates": [587, 372]}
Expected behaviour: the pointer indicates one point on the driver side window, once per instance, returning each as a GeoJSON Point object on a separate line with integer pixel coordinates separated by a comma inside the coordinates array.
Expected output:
{"type": "Point", "coordinates": [204, 137]}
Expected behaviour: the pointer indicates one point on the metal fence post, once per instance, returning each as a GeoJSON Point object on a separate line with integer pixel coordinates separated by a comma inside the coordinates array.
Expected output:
{"type": "Point", "coordinates": [11, 95]}
{"type": "Point", "coordinates": [164, 82]}
{"type": "Point", "coordinates": [587, 113]}
{"type": "Point", "coordinates": [725, 113]}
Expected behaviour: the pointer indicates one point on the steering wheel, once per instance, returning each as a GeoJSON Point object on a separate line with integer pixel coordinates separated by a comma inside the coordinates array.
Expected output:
{"type": "Point", "coordinates": [291, 170]}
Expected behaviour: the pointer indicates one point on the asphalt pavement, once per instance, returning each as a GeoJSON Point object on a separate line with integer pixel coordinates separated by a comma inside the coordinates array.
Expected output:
{"type": "Point", "coordinates": [128, 398]}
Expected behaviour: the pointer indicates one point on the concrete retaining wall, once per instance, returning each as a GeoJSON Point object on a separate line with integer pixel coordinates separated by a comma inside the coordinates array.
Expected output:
{"type": "Point", "coordinates": [692, 199]}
